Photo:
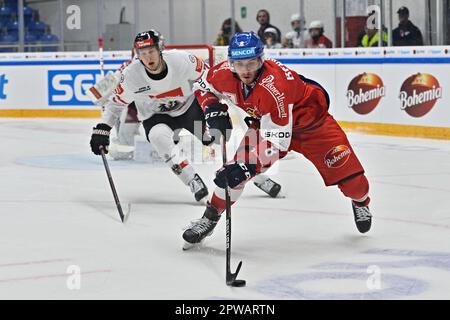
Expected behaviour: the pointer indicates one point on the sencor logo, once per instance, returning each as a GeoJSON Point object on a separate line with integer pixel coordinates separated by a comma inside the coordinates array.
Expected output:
{"type": "Point", "coordinates": [365, 92]}
{"type": "Point", "coordinates": [242, 52]}
{"type": "Point", "coordinates": [419, 94]}
{"type": "Point", "coordinates": [68, 87]}
{"type": "Point", "coordinates": [337, 156]}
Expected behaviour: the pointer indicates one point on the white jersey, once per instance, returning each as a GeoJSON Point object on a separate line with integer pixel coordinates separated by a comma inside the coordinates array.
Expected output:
{"type": "Point", "coordinates": [172, 95]}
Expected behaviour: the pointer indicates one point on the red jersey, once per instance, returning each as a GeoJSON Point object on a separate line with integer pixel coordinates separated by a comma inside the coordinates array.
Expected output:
{"type": "Point", "coordinates": [322, 42]}
{"type": "Point", "coordinates": [283, 101]}
{"type": "Point", "coordinates": [293, 114]}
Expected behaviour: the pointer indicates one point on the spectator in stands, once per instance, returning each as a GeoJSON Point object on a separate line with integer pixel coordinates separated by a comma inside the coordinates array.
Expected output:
{"type": "Point", "coordinates": [224, 36]}
{"type": "Point", "coordinates": [406, 34]}
{"type": "Point", "coordinates": [263, 18]}
{"type": "Point", "coordinates": [317, 39]}
{"type": "Point", "coordinates": [271, 39]}
{"type": "Point", "coordinates": [297, 37]}
{"type": "Point", "coordinates": [370, 38]}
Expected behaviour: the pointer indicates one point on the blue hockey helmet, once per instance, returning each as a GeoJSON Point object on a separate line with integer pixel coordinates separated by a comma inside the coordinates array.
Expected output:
{"type": "Point", "coordinates": [246, 45]}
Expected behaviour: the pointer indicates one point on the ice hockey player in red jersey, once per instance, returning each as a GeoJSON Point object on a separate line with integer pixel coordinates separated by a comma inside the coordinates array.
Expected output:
{"type": "Point", "coordinates": [289, 112]}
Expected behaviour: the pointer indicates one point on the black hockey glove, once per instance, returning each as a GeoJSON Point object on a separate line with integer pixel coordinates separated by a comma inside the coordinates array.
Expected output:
{"type": "Point", "coordinates": [100, 137]}
{"type": "Point", "coordinates": [218, 121]}
{"type": "Point", "coordinates": [235, 174]}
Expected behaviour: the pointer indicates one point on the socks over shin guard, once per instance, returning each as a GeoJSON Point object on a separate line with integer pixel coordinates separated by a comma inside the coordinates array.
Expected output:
{"type": "Point", "coordinates": [161, 137]}
{"type": "Point", "coordinates": [356, 188]}
{"type": "Point", "coordinates": [218, 198]}
{"type": "Point", "coordinates": [183, 170]}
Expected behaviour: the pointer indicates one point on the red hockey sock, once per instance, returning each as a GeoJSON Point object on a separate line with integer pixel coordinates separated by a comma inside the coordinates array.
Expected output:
{"type": "Point", "coordinates": [218, 198]}
{"type": "Point", "coordinates": [356, 188]}
{"type": "Point", "coordinates": [218, 203]}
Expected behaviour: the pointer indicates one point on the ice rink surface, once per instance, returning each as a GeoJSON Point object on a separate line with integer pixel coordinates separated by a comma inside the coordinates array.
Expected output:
{"type": "Point", "coordinates": [58, 217]}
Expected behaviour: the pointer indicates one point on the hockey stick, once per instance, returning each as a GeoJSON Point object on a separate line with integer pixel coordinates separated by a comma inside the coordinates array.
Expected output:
{"type": "Point", "coordinates": [113, 188]}
{"type": "Point", "coordinates": [230, 277]}
{"type": "Point", "coordinates": [101, 58]}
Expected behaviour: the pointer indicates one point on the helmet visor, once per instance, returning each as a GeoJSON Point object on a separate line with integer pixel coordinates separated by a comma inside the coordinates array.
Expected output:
{"type": "Point", "coordinates": [146, 51]}
{"type": "Point", "coordinates": [247, 65]}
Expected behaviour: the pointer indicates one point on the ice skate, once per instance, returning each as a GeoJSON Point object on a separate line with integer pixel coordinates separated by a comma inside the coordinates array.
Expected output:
{"type": "Point", "coordinates": [363, 217]}
{"type": "Point", "coordinates": [198, 188]}
{"type": "Point", "coordinates": [120, 152]}
{"type": "Point", "coordinates": [201, 228]}
{"type": "Point", "coordinates": [270, 187]}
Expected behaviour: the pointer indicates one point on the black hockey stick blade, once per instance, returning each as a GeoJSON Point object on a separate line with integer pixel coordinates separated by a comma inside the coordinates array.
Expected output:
{"type": "Point", "coordinates": [231, 277]}
{"type": "Point", "coordinates": [111, 183]}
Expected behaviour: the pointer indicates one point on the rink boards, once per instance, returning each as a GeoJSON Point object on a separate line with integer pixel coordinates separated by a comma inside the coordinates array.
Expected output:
{"type": "Point", "coordinates": [396, 91]}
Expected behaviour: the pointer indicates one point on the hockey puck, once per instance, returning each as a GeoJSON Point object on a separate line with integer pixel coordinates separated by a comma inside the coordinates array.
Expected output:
{"type": "Point", "coordinates": [237, 283]}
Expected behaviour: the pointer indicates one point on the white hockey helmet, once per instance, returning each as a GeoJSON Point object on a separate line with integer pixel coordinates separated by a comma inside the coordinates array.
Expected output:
{"type": "Point", "coordinates": [270, 30]}
{"type": "Point", "coordinates": [316, 24]}
{"type": "Point", "coordinates": [297, 17]}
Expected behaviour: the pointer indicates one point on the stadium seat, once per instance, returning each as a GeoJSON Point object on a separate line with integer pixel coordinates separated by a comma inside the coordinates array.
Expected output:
{"type": "Point", "coordinates": [5, 14]}
{"type": "Point", "coordinates": [12, 28]}
{"type": "Point", "coordinates": [8, 39]}
{"type": "Point", "coordinates": [37, 28]}
{"type": "Point", "coordinates": [11, 4]}
{"type": "Point", "coordinates": [31, 39]}
{"type": "Point", "coordinates": [28, 15]}
{"type": "Point", "coordinates": [49, 39]}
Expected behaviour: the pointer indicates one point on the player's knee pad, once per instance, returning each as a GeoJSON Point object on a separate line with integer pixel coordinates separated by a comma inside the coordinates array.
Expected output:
{"type": "Point", "coordinates": [127, 132]}
{"type": "Point", "coordinates": [161, 138]}
{"type": "Point", "coordinates": [356, 187]}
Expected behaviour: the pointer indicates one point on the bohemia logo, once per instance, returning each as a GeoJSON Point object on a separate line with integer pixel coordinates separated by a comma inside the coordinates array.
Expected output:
{"type": "Point", "coordinates": [365, 92]}
{"type": "Point", "coordinates": [419, 94]}
{"type": "Point", "coordinates": [338, 156]}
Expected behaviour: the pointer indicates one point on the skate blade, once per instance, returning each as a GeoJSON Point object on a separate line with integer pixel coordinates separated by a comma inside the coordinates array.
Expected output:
{"type": "Point", "coordinates": [280, 195]}
{"type": "Point", "coordinates": [189, 246]}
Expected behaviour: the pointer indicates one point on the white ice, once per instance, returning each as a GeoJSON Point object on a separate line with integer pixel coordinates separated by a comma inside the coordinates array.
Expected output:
{"type": "Point", "coordinates": [57, 211]}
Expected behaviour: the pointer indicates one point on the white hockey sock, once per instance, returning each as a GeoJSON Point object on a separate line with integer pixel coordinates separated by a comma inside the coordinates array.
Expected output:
{"type": "Point", "coordinates": [161, 137]}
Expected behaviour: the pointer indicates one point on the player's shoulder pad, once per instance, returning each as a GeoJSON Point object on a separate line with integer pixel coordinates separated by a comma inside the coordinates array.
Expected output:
{"type": "Point", "coordinates": [172, 53]}
{"type": "Point", "coordinates": [177, 55]}
{"type": "Point", "coordinates": [132, 67]}
{"type": "Point", "coordinates": [128, 76]}
{"type": "Point", "coordinates": [182, 57]}
{"type": "Point", "coordinates": [220, 71]}
{"type": "Point", "coordinates": [280, 71]}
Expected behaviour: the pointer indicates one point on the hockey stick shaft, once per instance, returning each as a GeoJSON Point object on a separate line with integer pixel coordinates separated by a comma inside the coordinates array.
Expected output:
{"type": "Point", "coordinates": [101, 58]}
{"type": "Point", "coordinates": [111, 183]}
{"type": "Point", "coordinates": [227, 210]}
{"type": "Point", "coordinates": [230, 277]}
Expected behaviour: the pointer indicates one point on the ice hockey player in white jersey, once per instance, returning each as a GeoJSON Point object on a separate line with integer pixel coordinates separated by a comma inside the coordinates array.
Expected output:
{"type": "Point", "coordinates": [160, 84]}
